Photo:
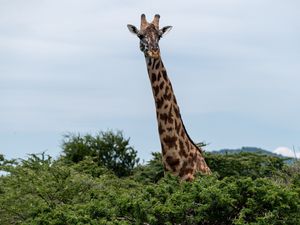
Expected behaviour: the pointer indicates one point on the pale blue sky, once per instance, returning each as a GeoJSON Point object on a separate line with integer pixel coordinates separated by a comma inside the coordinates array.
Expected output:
{"type": "Point", "coordinates": [72, 66]}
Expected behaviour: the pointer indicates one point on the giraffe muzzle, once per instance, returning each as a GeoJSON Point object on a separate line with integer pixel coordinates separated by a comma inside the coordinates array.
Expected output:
{"type": "Point", "coordinates": [153, 54]}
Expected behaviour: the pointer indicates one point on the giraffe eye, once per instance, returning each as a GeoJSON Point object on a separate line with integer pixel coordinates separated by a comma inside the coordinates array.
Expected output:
{"type": "Point", "coordinates": [140, 36]}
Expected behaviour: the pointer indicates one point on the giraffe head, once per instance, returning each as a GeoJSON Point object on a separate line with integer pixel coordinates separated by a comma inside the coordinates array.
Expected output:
{"type": "Point", "coordinates": [149, 35]}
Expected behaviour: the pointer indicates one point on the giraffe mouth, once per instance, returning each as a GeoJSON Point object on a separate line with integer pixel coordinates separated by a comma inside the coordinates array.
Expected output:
{"type": "Point", "coordinates": [153, 54]}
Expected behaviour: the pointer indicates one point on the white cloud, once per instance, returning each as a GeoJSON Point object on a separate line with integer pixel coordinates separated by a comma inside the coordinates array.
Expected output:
{"type": "Point", "coordinates": [285, 151]}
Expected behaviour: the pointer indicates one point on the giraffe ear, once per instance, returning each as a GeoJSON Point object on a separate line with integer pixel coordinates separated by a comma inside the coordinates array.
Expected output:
{"type": "Point", "coordinates": [132, 29]}
{"type": "Point", "coordinates": [163, 31]}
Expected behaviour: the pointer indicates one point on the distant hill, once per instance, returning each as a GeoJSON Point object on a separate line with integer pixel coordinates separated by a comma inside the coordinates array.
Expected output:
{"type": "Point", "coordinates": [247, 149]}
{"type": "Point", "coordinates": [255, 150]}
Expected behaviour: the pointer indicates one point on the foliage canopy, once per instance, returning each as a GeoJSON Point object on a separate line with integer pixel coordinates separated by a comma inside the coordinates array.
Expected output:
{"type": "Point", "coordinates": [244, 189]}
{"type": "Point", "coordinates": [108, 149]}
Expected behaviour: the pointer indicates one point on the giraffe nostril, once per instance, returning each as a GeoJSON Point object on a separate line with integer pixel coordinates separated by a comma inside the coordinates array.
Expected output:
{"type": "Point", "coordinates": [155, 49]}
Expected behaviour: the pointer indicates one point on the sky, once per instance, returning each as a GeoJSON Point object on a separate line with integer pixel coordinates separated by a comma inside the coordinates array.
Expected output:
{"type": "Point", "coordinates": [72, 66]}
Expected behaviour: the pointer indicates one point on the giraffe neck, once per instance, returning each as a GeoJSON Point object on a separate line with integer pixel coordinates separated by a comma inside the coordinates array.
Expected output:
{"type": "Point", "coordinates": [179, 153]}
{"type": "Point", "coordinates": [167, 109]}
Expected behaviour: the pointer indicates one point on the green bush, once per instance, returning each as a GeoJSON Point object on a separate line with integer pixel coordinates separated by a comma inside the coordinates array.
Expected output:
{"type": "Point", "coordinates": [108, 149]}
{"type": "Point", "coordinates": [245, 164]}
{"type": "Point", "coordinates": [244, 189]}
{"type": "Point", "coordinates": [43, 191]}
{"type": "Point", "coordinates": [152, 172]}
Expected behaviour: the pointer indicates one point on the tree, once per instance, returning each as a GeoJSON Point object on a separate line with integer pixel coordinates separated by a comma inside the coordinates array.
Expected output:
{"type": "Point", "coordinates": [1, 157]}
{"type": "Point", "coordinates": [108, 149]}
{"type": "Point", "coordinates": [246, 164]}
{"type": "Point", "coordinates": [152, 172]}
{"type": "Point", "coordinates": [44, 191]}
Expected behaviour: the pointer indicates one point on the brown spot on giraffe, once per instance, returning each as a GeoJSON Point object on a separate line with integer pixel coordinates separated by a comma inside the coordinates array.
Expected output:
{"type": "Point", "coordinates": [187, 144]}
{"type": "Point", "coordinates": [164, 117]}
{"type": "Point", "coordinates": [157, 65]}
{"type": "Point", "coordinates": [172, 162]}
{"type": "Point", "coordinates": [182, 151]}
{"type": "Point", "coordinates": [161, 85]}
{"type": "Point", "coordinates": [174, 99]}
{"type": "Point", "coordinates": [156, 89]}
{"type": "Point", "coordinates": [193, 155]}
{"type": "Point", "coordinates": [149, 63]}
{"type": "Point", "coordinates": [182, 169]}
{"type": "Point", "coordinates": [161, 130]}
{"type": "Point", "coordinates": [164, 73]}
{"type": "Point", "coordinates": [170, 141]}
{"type": "Point", "coordinates": [182, 134]}
{"type": "Point", "coordinates": [191, 161]}
{"type": "Point", "coordinates": [176, 111]}
{"type": "Point", "coordinates": [168, 96]}
{"type": "Point", "coordinates": [167, 118]}
{"type": "Point", "coordinates": [153, 77]}
{"type": "Point", "coordinates": [179, 153]}
{"type": "Point", "coordinates": [169, 129]}
{"type": "Point", "coordinates": [159, 76]}
{"type": "Point", "coordinates": [159, 102]}
{"type": "Point", "coordinates": [177, 127]}
{"type": "Point", "coordinates": [189, 172]}
{"type": "Point", "coordinates": [163, 148]}
{"type": "Point", "coordinates": [153, 63]}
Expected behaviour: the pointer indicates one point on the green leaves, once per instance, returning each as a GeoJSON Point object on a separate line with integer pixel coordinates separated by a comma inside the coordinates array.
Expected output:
{"type": "Point", "coordinates": [244, 189]}
{"type": "Point", "coordinates": [110, 150]}
{"type": "Point", "coordinates": [152, 172]}
{"type": "Point", "coordinates": [244, 164]}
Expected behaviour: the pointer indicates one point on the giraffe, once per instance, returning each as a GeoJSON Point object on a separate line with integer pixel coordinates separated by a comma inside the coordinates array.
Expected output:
{"type": "Point", "coordinates": [180, 155]}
